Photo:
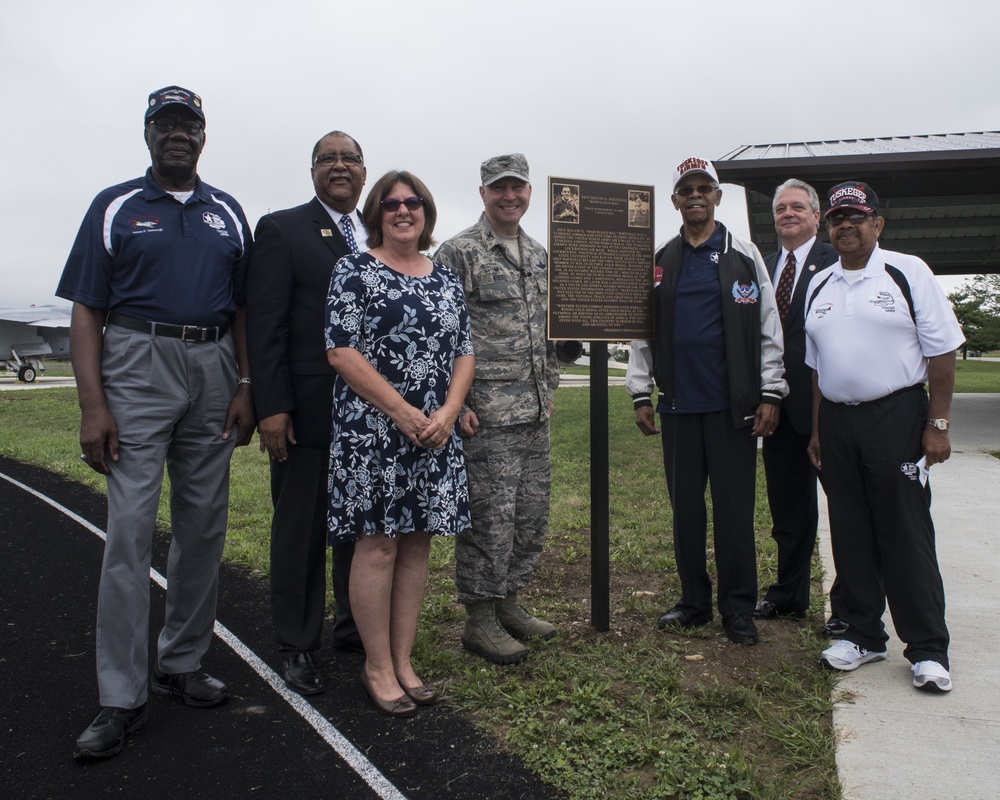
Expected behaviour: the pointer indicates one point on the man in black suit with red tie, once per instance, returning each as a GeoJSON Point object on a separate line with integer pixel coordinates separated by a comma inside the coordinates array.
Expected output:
{"type": "Point", "coordinates": [791, 478]}
{"type": "Point", "coordinates": [287, 286]}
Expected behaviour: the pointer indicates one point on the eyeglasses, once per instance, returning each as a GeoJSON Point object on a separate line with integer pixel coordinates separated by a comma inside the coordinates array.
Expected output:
{"type": "Point", "coordinates": [192, 127]}
{"type": "Point", "coordinates": [838, 217]}
{"type": "Point", "coordinates": [329, 159]}
{"type": "Point", "coordinates": [704, 188]}
{"type": "Point", "coordinates": [412, 203]}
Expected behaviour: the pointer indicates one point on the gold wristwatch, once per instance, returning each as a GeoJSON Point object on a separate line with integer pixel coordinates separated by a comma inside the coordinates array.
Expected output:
{"type": "Point", "coordinates": [940, 424]}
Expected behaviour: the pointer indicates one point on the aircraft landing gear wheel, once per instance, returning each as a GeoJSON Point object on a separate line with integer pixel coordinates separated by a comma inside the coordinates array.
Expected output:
{"type": "Point", "coordinates": [26, 374]}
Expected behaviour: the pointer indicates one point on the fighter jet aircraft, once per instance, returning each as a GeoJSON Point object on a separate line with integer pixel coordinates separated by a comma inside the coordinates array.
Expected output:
{"type": "Point", "coordinates": [28, 335]}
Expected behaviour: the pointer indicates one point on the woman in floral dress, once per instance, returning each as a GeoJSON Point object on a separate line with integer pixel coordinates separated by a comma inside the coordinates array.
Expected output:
{"type": "Point", "coordinates": [398, 334]}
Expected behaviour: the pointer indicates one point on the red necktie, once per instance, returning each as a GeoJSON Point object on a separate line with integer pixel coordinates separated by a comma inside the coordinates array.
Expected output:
{"type": "Point", "coordinates": [783, 293]}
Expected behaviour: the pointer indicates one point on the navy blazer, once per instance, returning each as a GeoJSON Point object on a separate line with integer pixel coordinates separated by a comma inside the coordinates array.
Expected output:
{"type": "Point", "coordinates": [287, 285]}
{"type": "Point", "coordinates": [798, 404]}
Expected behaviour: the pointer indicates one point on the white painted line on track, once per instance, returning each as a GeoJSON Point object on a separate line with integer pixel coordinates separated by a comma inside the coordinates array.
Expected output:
{"type": "Point", "coordinates": [368, 772]}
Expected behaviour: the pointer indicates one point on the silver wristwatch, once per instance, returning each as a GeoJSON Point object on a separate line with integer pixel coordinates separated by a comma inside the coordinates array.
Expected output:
{"type": "Point", "coordinates": [940, 424]}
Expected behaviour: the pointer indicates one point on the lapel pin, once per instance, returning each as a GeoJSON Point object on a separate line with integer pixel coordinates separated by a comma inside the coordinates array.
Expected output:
{"type": "Point", "coordinates": [325, 232]}
{"type": "Point", "coordinates": [812, 267]}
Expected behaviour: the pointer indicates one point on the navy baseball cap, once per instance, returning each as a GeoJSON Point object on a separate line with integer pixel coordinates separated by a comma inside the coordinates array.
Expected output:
{"type": "Point", "coordinates": [173, 96]}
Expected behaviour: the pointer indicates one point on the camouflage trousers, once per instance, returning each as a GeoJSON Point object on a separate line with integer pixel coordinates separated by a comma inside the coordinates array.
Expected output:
{"type": "Point", "coordinates": [509, 487]}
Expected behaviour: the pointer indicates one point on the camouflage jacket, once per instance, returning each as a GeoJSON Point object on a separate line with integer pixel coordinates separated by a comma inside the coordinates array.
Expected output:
{"type": "Point", "coordinates": [516, 367]}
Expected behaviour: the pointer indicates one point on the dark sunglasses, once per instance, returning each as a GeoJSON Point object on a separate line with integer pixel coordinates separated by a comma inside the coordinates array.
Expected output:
{"type": "Point", "coordinates": [687, 191]}
{"type": "Point", "coordinates": [412, 203]}
{"type": "Point", "coordinates": [838, 217]}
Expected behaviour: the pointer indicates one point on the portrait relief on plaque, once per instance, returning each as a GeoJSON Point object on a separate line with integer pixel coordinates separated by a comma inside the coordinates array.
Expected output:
{"type": "Point", "coordinates": [638, 209]}
{"type": "Point", "coordinates": [566, 203]}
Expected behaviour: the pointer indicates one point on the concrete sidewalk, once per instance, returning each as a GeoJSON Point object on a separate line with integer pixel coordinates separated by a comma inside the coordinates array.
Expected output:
{"type": "Point", "coordinates": [892, 740]}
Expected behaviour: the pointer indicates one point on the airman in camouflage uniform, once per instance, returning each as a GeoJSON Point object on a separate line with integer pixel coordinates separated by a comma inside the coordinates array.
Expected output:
{"type": "Point", "coordinates": [506, 424]}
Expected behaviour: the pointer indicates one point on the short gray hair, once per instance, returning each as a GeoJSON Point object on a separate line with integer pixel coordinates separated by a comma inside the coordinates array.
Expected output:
{"type": "Point", "coordinates": [794, 183]}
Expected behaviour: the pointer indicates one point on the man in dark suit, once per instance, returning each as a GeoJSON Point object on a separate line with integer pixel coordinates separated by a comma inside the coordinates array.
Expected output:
{"type": "Point", "coordinates": [791, 479]}
{"type": "Point", "coordinates": [287, 286]}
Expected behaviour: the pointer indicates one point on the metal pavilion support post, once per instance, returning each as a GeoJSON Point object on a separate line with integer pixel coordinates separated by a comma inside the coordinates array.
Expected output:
{"type": "Point", "coordinates": [600, 535]}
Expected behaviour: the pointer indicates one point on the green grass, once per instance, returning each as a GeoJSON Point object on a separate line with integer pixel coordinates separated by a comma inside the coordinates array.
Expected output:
{"type": "Point", "coordinates": [632, 713]}
{"type": "Point", "coordinates": [973, 375]}
{"type": "Point", "coordinates": [614, 368]}
{"type": "Point", "coordinates": [626, 714]}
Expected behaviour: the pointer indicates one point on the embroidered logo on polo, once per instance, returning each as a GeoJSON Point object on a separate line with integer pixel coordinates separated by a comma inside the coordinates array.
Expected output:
{"type": "Point", "coordinates": [714, 257]}
{"type": "Point", "coordinates": [145, 223]}
{"type": "Point", "coordinates": [745, 293]}
{"type": "Point", "coordinates": [822, 310]}
{"type": "Point", "coordinates": [215, 221]}
{"type": "Point", "coordinates": [910, 470]}
{"type": "Point", "coordinates": [885, 301]}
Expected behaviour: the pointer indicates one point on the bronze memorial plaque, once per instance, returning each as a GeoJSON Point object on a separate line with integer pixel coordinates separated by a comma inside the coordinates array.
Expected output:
{"type": "Point", "coordinates": [600, 260]}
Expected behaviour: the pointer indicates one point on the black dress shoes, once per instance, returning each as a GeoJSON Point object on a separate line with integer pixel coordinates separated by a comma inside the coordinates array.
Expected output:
{"type": "Point", "coordinates": [767, 610]}
{"type": "Point", "coordinates": [197, 689]}
{"type": "Point", "coordinates": [105, 736]}
{"type": "Point", "coordinates": [741, 630]}
{"type": "Point", "coordinates": [676, 618]}
{"type": "Point", "coordinates": [302, 675]}
{"type": "Point", "coordinates": [835, 627]}
{"type": "Point", "coordinates": [423, 695]}
{"type": "Point", "coordinates": [402, 706]}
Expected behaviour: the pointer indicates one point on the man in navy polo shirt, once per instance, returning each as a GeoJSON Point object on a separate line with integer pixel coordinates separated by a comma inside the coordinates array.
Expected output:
{"type": "Point", "coordinates": [716, 359]}
{"type": "Point", "coordinates": [156, 279]}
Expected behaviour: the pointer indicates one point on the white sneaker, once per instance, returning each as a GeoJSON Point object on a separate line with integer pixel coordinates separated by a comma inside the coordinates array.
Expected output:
{"type": "Point", "coordinates": [847, 656]}
{"type": "Point", "coordinates": [931, 677]}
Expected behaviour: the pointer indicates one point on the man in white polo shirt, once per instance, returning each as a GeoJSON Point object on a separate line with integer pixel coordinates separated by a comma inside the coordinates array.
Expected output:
{"type": "Point", "coordinates": [878, 327]}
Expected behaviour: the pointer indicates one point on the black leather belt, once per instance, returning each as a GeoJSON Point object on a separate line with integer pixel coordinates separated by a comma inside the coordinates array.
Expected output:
{"type": "Point", "coordinates": [186, 333]}
{"type": "Point", "coordinates": [915, 387]}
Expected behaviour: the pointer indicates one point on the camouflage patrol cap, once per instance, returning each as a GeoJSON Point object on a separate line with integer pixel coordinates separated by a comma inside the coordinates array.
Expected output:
{"type": "Point", "coordinates": [173, 96]}
{"type": "Point", "coordinates": [513, 165]}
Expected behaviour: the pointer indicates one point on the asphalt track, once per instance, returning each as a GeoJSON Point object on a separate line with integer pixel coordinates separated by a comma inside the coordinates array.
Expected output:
{"type": "Point", "coordinates": [266, 742]}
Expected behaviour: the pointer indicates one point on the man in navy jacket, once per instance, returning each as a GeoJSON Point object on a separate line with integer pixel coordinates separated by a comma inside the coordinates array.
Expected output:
{"type": "Point", "coordinates": [716, 359]}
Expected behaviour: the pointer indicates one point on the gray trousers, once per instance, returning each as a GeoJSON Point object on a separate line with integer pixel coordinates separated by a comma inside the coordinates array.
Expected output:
{"type": "Point", "coordinates": [169, 399]}
{"type": "Point", "coordinates": [509, 489]}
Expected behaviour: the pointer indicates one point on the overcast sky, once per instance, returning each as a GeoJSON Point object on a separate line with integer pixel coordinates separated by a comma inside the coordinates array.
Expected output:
{"type": "Point", "coordinates": [604, 91]}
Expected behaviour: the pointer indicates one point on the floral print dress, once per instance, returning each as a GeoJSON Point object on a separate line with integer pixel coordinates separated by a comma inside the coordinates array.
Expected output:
{"type": "Point", "coordinates": [410, 329]}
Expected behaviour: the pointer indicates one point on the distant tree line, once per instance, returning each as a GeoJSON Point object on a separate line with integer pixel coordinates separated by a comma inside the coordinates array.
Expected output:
{"type": "Point", "coordinates": [977, 306]}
